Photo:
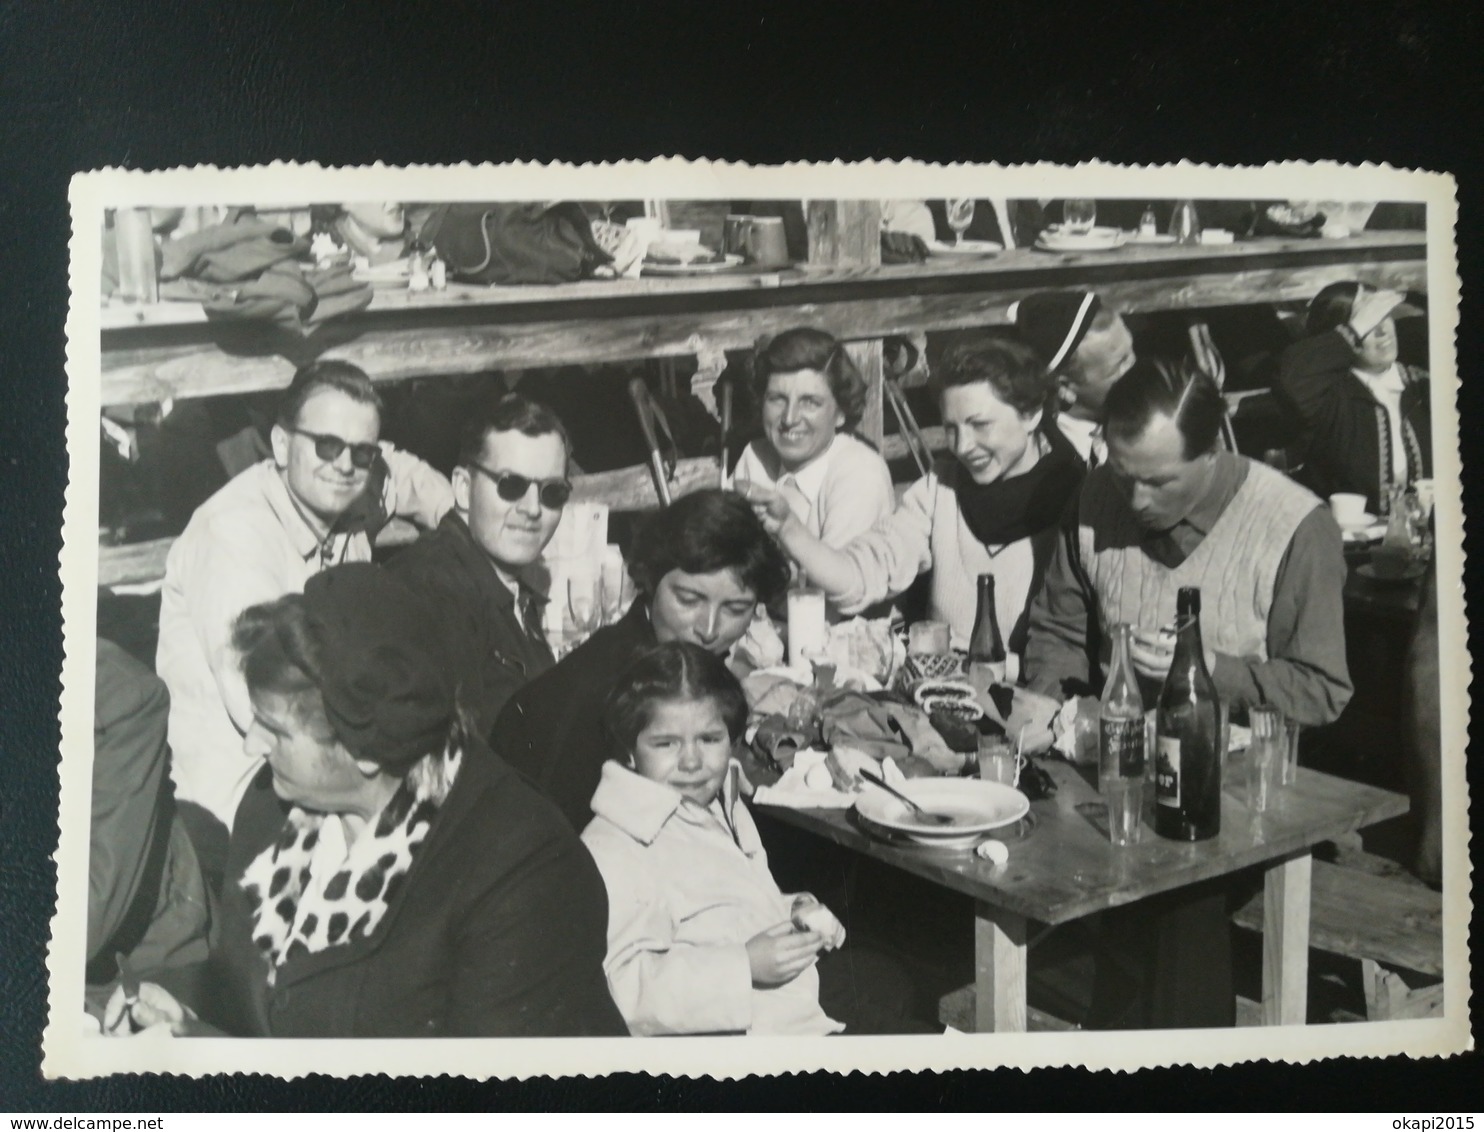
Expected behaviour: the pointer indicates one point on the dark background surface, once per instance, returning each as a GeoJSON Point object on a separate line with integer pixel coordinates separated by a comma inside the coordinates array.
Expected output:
{"type": "Point", "coordinates": [162, 85]}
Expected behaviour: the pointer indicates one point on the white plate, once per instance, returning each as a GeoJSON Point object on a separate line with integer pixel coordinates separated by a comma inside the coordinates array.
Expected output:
{"type": "Point", "coordinates": [1157, 239]}
{"type": "Point", "coordinates": [728, 262]}
{"type": "Point", "coordinates": [1098, 240]}
{"type": "Point", "coordinates": [954, 841]}
{"type": "Point", "coordinates": [977, 807]}
{"type": "Point", "coordinates": [965, 248]}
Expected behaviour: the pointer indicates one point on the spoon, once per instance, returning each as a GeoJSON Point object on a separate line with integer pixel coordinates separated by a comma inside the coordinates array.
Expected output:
{"type": "Point", "coordinates": [928, 816]}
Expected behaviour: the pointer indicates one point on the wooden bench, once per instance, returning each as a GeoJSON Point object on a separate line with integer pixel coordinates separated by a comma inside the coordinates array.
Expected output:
{"type": "Point", "coordinates": [956, 1009]}
{"type": "Point", "coordinates": [1384, 921]}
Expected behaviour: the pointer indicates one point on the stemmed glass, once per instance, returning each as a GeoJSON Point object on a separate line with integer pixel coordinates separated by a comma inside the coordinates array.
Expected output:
{"type": "Point", "coordinates": [585, 603]}
{"type": "Point", "coordinates": [960, 216]}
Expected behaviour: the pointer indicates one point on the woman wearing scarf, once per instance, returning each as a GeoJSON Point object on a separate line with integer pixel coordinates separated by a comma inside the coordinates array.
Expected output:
{"type": "Point", "coordinates": [994, 510]}
{"type": "Point", "coordinates": [388, 875]}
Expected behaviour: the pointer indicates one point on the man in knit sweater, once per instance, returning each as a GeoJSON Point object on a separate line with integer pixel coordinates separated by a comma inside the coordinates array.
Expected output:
{"type": "Point", "coordinates": [1171, 509]}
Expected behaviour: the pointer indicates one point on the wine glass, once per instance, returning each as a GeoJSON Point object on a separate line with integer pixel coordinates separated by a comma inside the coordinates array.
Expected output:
{"type": "Point", "coordinates": [960, 216]}
{"type": "Point", "coordinates": [1078, 217]}
{"type": "Point", "coordinates": [585, 603]}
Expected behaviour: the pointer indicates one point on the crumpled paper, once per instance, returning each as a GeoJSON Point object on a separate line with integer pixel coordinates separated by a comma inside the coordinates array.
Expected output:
{"type": "Point", "coordinates": [808, 784]}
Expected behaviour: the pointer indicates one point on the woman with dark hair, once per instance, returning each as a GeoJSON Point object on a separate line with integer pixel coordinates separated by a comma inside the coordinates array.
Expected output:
{"type": "Point", "coordinates": [993, 511]}
{"type": "Point", "coordinates": [388, 876]}
{"type": "Point", "coordinates": [701, 568]}
{"type": "Point", "coordinates": [811, 397]}
{"type": "Point", "coordinates": [1366, 416]}
{"type": "Point", "coordinates": [700, 938]}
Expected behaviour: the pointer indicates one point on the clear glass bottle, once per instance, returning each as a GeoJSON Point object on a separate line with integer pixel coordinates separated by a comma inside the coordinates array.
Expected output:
{"type": "Point", "coordinates": [1148, 225]}
{"type": "Point", "coordinates": [1187, 784]}
{"type": "Point", "coordinates": [1185, 224]}
{"type": "Point", "coordinates": [1121, 713]}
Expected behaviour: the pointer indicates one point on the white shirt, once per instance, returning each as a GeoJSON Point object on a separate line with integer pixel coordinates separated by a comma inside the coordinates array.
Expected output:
{"type": "Point", "coordinates": [1085, 436]}
{"type": "Point", "coordinates": [843, 492]}
{"type": "Point", "coordinates": [1387, 389]}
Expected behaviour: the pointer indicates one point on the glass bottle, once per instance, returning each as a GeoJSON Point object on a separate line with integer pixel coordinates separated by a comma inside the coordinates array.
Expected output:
{"type": "Point", "coordinates": [1187, 784]}
{"type": "Point", "coordinates": [1185, 225]}
{"type": "Point", "coordinates": [986, 646]}
{"type": "Point", "coordinates": [1121, 713]}
{"type": "Point", "coordinates": [1148, 225]}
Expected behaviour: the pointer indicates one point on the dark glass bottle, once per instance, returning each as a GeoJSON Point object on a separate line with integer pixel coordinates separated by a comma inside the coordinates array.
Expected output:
{"type": "Point", "coordinates": [986, 646]}
{"type": "Point", "coordinates": [1187, 782]}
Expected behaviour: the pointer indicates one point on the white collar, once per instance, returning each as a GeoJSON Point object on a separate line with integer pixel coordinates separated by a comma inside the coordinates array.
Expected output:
{"type": "Point", "coordinates": [810, 478]}
{"type": "Point", "coordinates": [1389, 381]}
{"type": "Point", "coordinates": [641, 807]}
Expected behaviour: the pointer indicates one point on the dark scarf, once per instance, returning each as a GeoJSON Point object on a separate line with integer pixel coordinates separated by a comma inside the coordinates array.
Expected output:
{"type": "Point", "coordinates": [1009, 510]}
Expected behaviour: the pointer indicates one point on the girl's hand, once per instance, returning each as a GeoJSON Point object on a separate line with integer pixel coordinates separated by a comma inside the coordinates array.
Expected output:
{"type": "Point", "coordinates": [152, 1010]}
{"type": "Point", "coordinates": [780, 954]}
{"type": "Point", "coordinates": [808, 914]}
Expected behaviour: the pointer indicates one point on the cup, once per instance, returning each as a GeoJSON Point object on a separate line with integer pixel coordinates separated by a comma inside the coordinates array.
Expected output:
{"type": "Point", "coordinates": [1125, 798]}
{"type": "Point", "coordinates": [1348, 508]}
{"type": "Point", "coordinates": [1291, 730]}
{"type": "Point", "coordinates": [807, 633]}
{"type": "Point", "coordinates": [767, 243]}
{"type": "Point", "coordinates": [1266, 758]}
{"type": "Point", "coordinates": [928, 638]}
{"type": "Point", "coordinates": [998, 761]}
{"type": "Point", "coordinates": [734, 232]}
{"type": "Point", "coordinates": [1078, 217]}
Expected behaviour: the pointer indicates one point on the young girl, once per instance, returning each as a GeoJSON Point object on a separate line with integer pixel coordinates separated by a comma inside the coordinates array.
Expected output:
{"type": "Point", "coordinates": [700, 939]}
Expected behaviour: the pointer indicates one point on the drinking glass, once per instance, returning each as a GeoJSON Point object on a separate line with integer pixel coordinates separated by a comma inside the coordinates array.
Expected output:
{"type": "Point", "coordinates": [960, 216]}
{"type": "Point", "coordinates": [998, 761]}
{"type": "Point", "coordinates": [585, 603]}
{"type": "Point", "coordinates": [1266, 758]}
{"type": "Point", "coordinates": [1125, 798]}
{"type": "Point", "coordinates": [1291, 731]}
{"type": "Point", "coordinates": [927, 638]}
{"type": "Point", "coordinates": [1078, 217]}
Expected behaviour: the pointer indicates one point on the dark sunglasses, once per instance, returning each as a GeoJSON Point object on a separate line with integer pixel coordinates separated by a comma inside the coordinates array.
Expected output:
{"type": "Point", "coordinates": [512, 488]}
{"type": "Point", "coordinates": [328, 449]}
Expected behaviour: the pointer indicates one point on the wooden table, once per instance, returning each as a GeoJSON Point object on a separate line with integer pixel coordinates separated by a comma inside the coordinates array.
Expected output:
{"type": "Point", "coordinates": [1064, 868]}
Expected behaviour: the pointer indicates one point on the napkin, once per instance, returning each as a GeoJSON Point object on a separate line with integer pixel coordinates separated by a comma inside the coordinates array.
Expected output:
{"type": "Point", "coordinates": [808, 784]}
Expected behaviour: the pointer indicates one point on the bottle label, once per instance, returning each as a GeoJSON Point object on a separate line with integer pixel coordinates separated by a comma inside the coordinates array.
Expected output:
{"type": "Point", "coordinates": [1121, 747]}
{"type": "Point", "coordinates": [1167, 772]}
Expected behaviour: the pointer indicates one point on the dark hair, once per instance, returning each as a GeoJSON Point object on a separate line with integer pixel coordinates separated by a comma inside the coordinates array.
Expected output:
{"type": "Point", "coordinates": [1015, 372]}
{"type": "Point", "coordinates": [808, 348]}
{"type": "Point", "coordinates": [676, 670]}
{"type": "Point", "coordinates": [281, 655]}
{"type": "Point", "coordinates": [704, 532]}
{"type": "Point", "coordinates": [310, 379]}
{"type": "Point", "coordinates": [1179, 391]}
{"type": "Point", "coordinates": [511, 413]}
{"type": "Point", "coordinates": [1331, 307]}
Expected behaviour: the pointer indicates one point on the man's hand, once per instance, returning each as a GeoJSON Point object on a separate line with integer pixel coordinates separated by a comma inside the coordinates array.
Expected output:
{"type": "Point", "coordinates": [1153, 652]}
{"type": "Point", "coordinates": [1371, 308]}
{"type": "Point", "coordinates": [781, 954]}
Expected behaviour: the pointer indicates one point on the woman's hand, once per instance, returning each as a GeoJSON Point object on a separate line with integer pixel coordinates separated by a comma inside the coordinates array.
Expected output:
{"type": "Point", "coordinates": [771, 509]}
{"type": "Point", "coordinates": [1370, 309]}
{"type": "Point", "coordinates": [780, 954]}
{"type": "Point", "coordinates": [152, 1010]}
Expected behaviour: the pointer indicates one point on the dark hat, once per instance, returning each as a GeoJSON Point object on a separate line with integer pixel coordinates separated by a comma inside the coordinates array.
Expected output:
{"type": "Point", "coordinates": [1053, 323]}
{"type": "Point", "coordinates": [387, 689]}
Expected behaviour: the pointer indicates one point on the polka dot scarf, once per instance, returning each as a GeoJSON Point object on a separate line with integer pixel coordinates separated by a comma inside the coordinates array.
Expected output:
{"type": "Point", "coordinates": [306, 892]}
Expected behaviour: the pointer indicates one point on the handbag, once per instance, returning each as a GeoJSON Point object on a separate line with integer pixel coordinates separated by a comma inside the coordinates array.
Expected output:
{"type": "Point", "coordinates": [509, 243]}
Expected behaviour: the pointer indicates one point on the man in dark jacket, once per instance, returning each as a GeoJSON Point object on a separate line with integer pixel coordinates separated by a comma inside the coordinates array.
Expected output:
{"type": "Point", "coordinates": [482, 566]}
{"type": "Point", "coordinates": [1366, 416]}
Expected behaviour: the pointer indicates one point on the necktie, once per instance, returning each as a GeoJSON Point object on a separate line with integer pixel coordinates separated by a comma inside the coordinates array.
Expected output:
{"type": "Point", "coordinates": [1096, 450]}
{"type": "Point", "coordinates": [530, 616]}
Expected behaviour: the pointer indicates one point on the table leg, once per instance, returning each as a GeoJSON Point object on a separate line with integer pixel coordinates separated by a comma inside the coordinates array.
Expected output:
{"type": "Point", "coordinates": [999, 970]}
{"type": "Point", "coordinates": [1285, 942]}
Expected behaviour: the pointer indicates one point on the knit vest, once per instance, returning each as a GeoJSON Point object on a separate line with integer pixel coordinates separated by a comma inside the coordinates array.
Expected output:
{"type": "Point", "coordinates": [1235, 566]}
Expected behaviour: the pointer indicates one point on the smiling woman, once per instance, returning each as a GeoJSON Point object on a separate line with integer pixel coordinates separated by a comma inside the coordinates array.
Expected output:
{"type": "Point", "coordinates": [992, 511]}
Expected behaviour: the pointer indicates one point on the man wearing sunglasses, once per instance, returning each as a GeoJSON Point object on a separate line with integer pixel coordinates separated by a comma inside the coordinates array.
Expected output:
{"type": "Point", "coordinates": [315, 504]}
{"type": "Point", "coordinates": [482, 566]}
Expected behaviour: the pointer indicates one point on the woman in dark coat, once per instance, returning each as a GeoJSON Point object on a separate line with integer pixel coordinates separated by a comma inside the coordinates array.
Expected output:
{"type": "Point", "coordinates": [701, 567]}
{"type": "Point", "coordinates": [1366, 416]}
{"type": "Point", "coordinates": [388, 875]}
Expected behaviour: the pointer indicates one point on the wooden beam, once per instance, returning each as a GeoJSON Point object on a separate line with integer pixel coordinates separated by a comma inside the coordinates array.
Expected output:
{"type": "Point", "coordinates": [142, 367]}
{"type": "Point", "coordinates": [1285, 941]}
{"type": "Point", "coordinates": [847, 233]}
{"type": "Point", "coordinates": [999, 970]}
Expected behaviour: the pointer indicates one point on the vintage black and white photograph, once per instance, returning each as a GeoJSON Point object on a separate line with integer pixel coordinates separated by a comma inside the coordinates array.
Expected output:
{"type": "Point", "coordinates": [939, 617]}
